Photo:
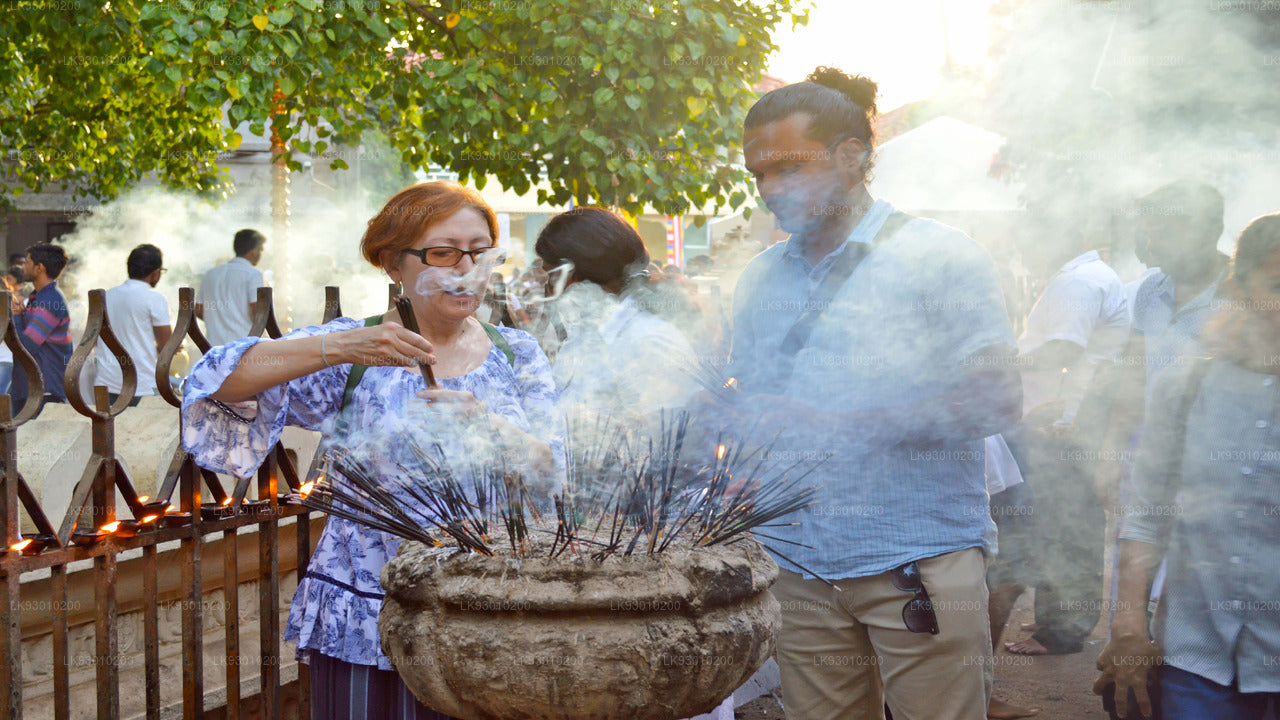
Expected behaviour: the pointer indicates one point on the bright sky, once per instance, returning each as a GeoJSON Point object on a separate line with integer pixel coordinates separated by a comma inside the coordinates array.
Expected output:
{"type": "Point", "coordinates": [899, 44]}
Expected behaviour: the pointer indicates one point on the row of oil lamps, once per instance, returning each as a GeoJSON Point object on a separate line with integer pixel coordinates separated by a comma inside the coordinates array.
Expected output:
{"type": "Point", "coordinates": [154, 515]}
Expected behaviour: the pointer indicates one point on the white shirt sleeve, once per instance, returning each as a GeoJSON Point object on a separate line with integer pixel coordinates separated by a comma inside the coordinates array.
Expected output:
{"type": "Point", "coordinates": [159, 310]}
{"type": "Point", "coordinates": [254, 281]}
{"type": "Point", "coordinates": [1068, 310]}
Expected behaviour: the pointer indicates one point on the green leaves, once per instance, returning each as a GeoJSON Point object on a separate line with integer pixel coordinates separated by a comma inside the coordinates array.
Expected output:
{"type": "Point", "coordinates": [622, 104]}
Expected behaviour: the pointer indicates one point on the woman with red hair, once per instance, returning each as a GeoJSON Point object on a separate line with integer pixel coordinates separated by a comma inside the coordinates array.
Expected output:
{"type": "Point", "coordinates": [436, 240]}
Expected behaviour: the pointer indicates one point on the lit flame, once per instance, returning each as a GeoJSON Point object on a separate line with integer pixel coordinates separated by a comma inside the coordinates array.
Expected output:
{"type": "Point", "coordinates": [720, 451]}
{"type": "Point", "coordinates": [143, 498]}
{"type": "Point", "coordinates": [731, 383]}
{"type": "Point", "coordinates": [168, 509]}
{"type": "Point", "coordinates": [111, 527]}
{"type": "Point", "coordinates": [150, 518]}
{"type": "Point", "coordinates": [305, 490]}
{"type": "Point", "coordinates": [226, 501]}
{"type": "Point", "coordinates": [20, 545]}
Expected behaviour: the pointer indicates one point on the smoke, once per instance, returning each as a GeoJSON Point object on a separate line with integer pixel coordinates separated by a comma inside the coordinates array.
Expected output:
{"type": "Point", "coordinates": [447, 280]}
{"type": "Point", "coordinates": [1104, 102]}
{"type": "Point", "coordinates": [195, 236]}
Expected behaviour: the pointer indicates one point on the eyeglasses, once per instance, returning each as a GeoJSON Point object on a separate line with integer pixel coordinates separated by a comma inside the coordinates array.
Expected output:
{"type": "Point", "coordinates": [446, 256]}
{"type": "Point", "coordinates": [918, 612]}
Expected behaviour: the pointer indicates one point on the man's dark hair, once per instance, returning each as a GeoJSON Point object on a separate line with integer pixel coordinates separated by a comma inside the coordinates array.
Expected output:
{"type": "Point", "coordinates": [52, 257]}
{"type": "Point", "coordinates": [1199, 207]}
{"type": "Point", "coordinates": [144, 260]}
{"type": "Point", "coordinates": [603, 248]}
{"type": "Point", "coordinates": [247, 241]}
{"type": "Point", "coordinates": [839, 107]}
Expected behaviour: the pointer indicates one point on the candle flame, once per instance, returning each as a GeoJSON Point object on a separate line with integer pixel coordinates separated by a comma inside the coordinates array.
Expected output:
{"type": "Point", "coordinates": [143, 498]}
{"type": "Point", "coordinates": [306, 488]}
{"type": "Point", "coordinates": [169, 509]}
{"type": "Point", "coordinates": [227, 501]}
{"type": "Point", "coordinates": [20, 545]}
{"type": "Point", "coordinates": [150, 518]}
{"type": "Point", "coordinates": [720, 451]}
{"type": "Point", "coordinates": [111, 527]}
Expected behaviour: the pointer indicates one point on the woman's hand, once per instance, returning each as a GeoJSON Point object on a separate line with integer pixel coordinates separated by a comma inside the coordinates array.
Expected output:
{"type": "Point", "coordinates": [388, 344]}
{"type": "Point", "coordinates": [1126, 660]}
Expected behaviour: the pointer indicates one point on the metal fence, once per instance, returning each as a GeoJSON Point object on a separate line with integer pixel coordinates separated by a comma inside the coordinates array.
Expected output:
{"type": "Point", "coordinates": [190, 505]}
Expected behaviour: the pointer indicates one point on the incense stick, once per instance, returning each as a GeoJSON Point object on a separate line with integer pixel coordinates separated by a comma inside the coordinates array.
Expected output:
{"type": "Point", "coordinates": [410, 321]}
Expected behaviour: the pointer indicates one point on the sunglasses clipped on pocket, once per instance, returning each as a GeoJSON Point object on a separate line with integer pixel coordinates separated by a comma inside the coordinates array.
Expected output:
{"type": "Point", "coordinates": [918, 613]}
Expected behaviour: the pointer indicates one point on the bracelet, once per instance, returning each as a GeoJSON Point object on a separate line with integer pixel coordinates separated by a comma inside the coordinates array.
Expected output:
{"type": "Point", "coordinates": [322, 355]}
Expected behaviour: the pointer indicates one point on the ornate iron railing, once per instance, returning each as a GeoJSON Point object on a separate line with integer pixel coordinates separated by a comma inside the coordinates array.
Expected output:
{"type": "Point", "coordinates": [189, 507]}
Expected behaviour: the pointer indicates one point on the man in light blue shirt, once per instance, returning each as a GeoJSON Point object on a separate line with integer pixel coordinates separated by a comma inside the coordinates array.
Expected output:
{"type": "Point", "coordinates": [905, 367]}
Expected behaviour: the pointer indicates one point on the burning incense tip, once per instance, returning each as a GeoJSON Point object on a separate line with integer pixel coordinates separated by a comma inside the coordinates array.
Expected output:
{"type": "Point", "coordinates": [306, 488]}
{"type": "Point", "coordinates": [720, 451]}
{"type": "Point", "coordinates": [731, 383]}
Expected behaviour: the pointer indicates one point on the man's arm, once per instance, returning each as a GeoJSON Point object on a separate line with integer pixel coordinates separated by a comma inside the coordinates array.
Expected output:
{"type": "Point", "coordinates": [162, 333]}
{"type": "Point", "coordinates": [1055, 355]}
{"type": "Point", "coordinates": [987, 400]}
{"type": "Point", "coordinates": [35, 324]}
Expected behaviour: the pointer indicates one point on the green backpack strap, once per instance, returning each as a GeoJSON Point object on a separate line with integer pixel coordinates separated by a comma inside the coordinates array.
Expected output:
{"type": "Point", "coordinates": [500, 342]}
{"type": "Point", "coordinates": [357, 371]}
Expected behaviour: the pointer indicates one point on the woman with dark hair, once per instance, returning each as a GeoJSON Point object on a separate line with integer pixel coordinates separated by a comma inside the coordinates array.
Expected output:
{"type": "Point", "coordinates": [435, 240]}
{"type": "Point", "coordinates": [619, 354]}
{"type": "Point", "coordinates": [1206, 488]}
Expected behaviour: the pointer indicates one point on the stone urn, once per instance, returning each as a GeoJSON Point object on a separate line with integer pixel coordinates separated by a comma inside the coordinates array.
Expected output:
{"type": "Point", "coordinates": [569, 638]}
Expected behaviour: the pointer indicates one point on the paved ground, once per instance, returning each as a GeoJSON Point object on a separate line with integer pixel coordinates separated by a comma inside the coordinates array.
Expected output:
{"type": "Point", "coordinates": [1060, 685]}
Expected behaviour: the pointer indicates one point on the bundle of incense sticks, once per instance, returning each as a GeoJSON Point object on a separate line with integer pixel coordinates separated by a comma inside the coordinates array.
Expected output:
{"type": "Point", "coordinates": [410, 321]}
{"type": "Point", "coordinates": [712, 377]}
{"type": "Point", "coordinates": [620, 498]}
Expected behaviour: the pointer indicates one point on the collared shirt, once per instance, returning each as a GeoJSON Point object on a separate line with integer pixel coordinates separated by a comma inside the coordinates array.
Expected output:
{"type": "Point", "coordinates": [45, 330]}
{"type": "Point", "coordinates": [134, 310]}
{"type": "Point", "coordinates": [899, 332]}
{"type": "Point", "coordinates": [1219, 617]}
{"type": "Point", "coordinates": [622, 357]}
{"type": "Point", "coordinates": [1171, 333]}
{"type": "Point", "coordinates": [225, 293]}
{"type": "Point", "coordinates": [1085, 304]}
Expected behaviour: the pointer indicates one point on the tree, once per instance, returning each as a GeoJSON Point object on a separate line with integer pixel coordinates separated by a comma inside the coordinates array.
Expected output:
{"type": "Point", "coordinates": [623, 102]}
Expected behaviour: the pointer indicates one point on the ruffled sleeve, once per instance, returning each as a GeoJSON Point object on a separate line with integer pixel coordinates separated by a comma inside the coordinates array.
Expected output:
{"type": "Point", "coordinates": [234, 438]}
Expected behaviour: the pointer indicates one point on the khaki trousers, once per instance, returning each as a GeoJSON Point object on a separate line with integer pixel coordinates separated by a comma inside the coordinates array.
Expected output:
{"type": "Point", "coordinates": [844, 654]}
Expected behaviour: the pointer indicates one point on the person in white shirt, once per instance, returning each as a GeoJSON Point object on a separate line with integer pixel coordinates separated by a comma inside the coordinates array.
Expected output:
{"type": "Point", "coordinates": [139, 318]}
{"type": "Point", "coordinates": [1074, 335]}
{"type": "Point", "coordinates": [229, 292]}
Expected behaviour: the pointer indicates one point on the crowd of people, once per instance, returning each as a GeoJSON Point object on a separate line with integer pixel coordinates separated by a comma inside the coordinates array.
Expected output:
{"type": "Point", "coordinates": [957, 465]}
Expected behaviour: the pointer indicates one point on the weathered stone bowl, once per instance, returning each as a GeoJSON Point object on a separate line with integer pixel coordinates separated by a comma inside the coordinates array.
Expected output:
{"type": "Point", "coordinates": [641, 638]}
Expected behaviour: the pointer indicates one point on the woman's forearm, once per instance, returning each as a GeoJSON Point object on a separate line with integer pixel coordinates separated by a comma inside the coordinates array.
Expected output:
{"type": "Point", "coordinates": [272, 363]}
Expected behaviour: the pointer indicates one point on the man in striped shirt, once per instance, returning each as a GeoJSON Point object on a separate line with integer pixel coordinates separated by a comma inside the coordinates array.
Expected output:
{"type": "Point", "coordinates": [43, 324]}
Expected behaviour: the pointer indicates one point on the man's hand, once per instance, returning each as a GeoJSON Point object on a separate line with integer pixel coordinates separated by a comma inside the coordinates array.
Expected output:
{"type": "Point", "coordinates": [1126, 661]}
